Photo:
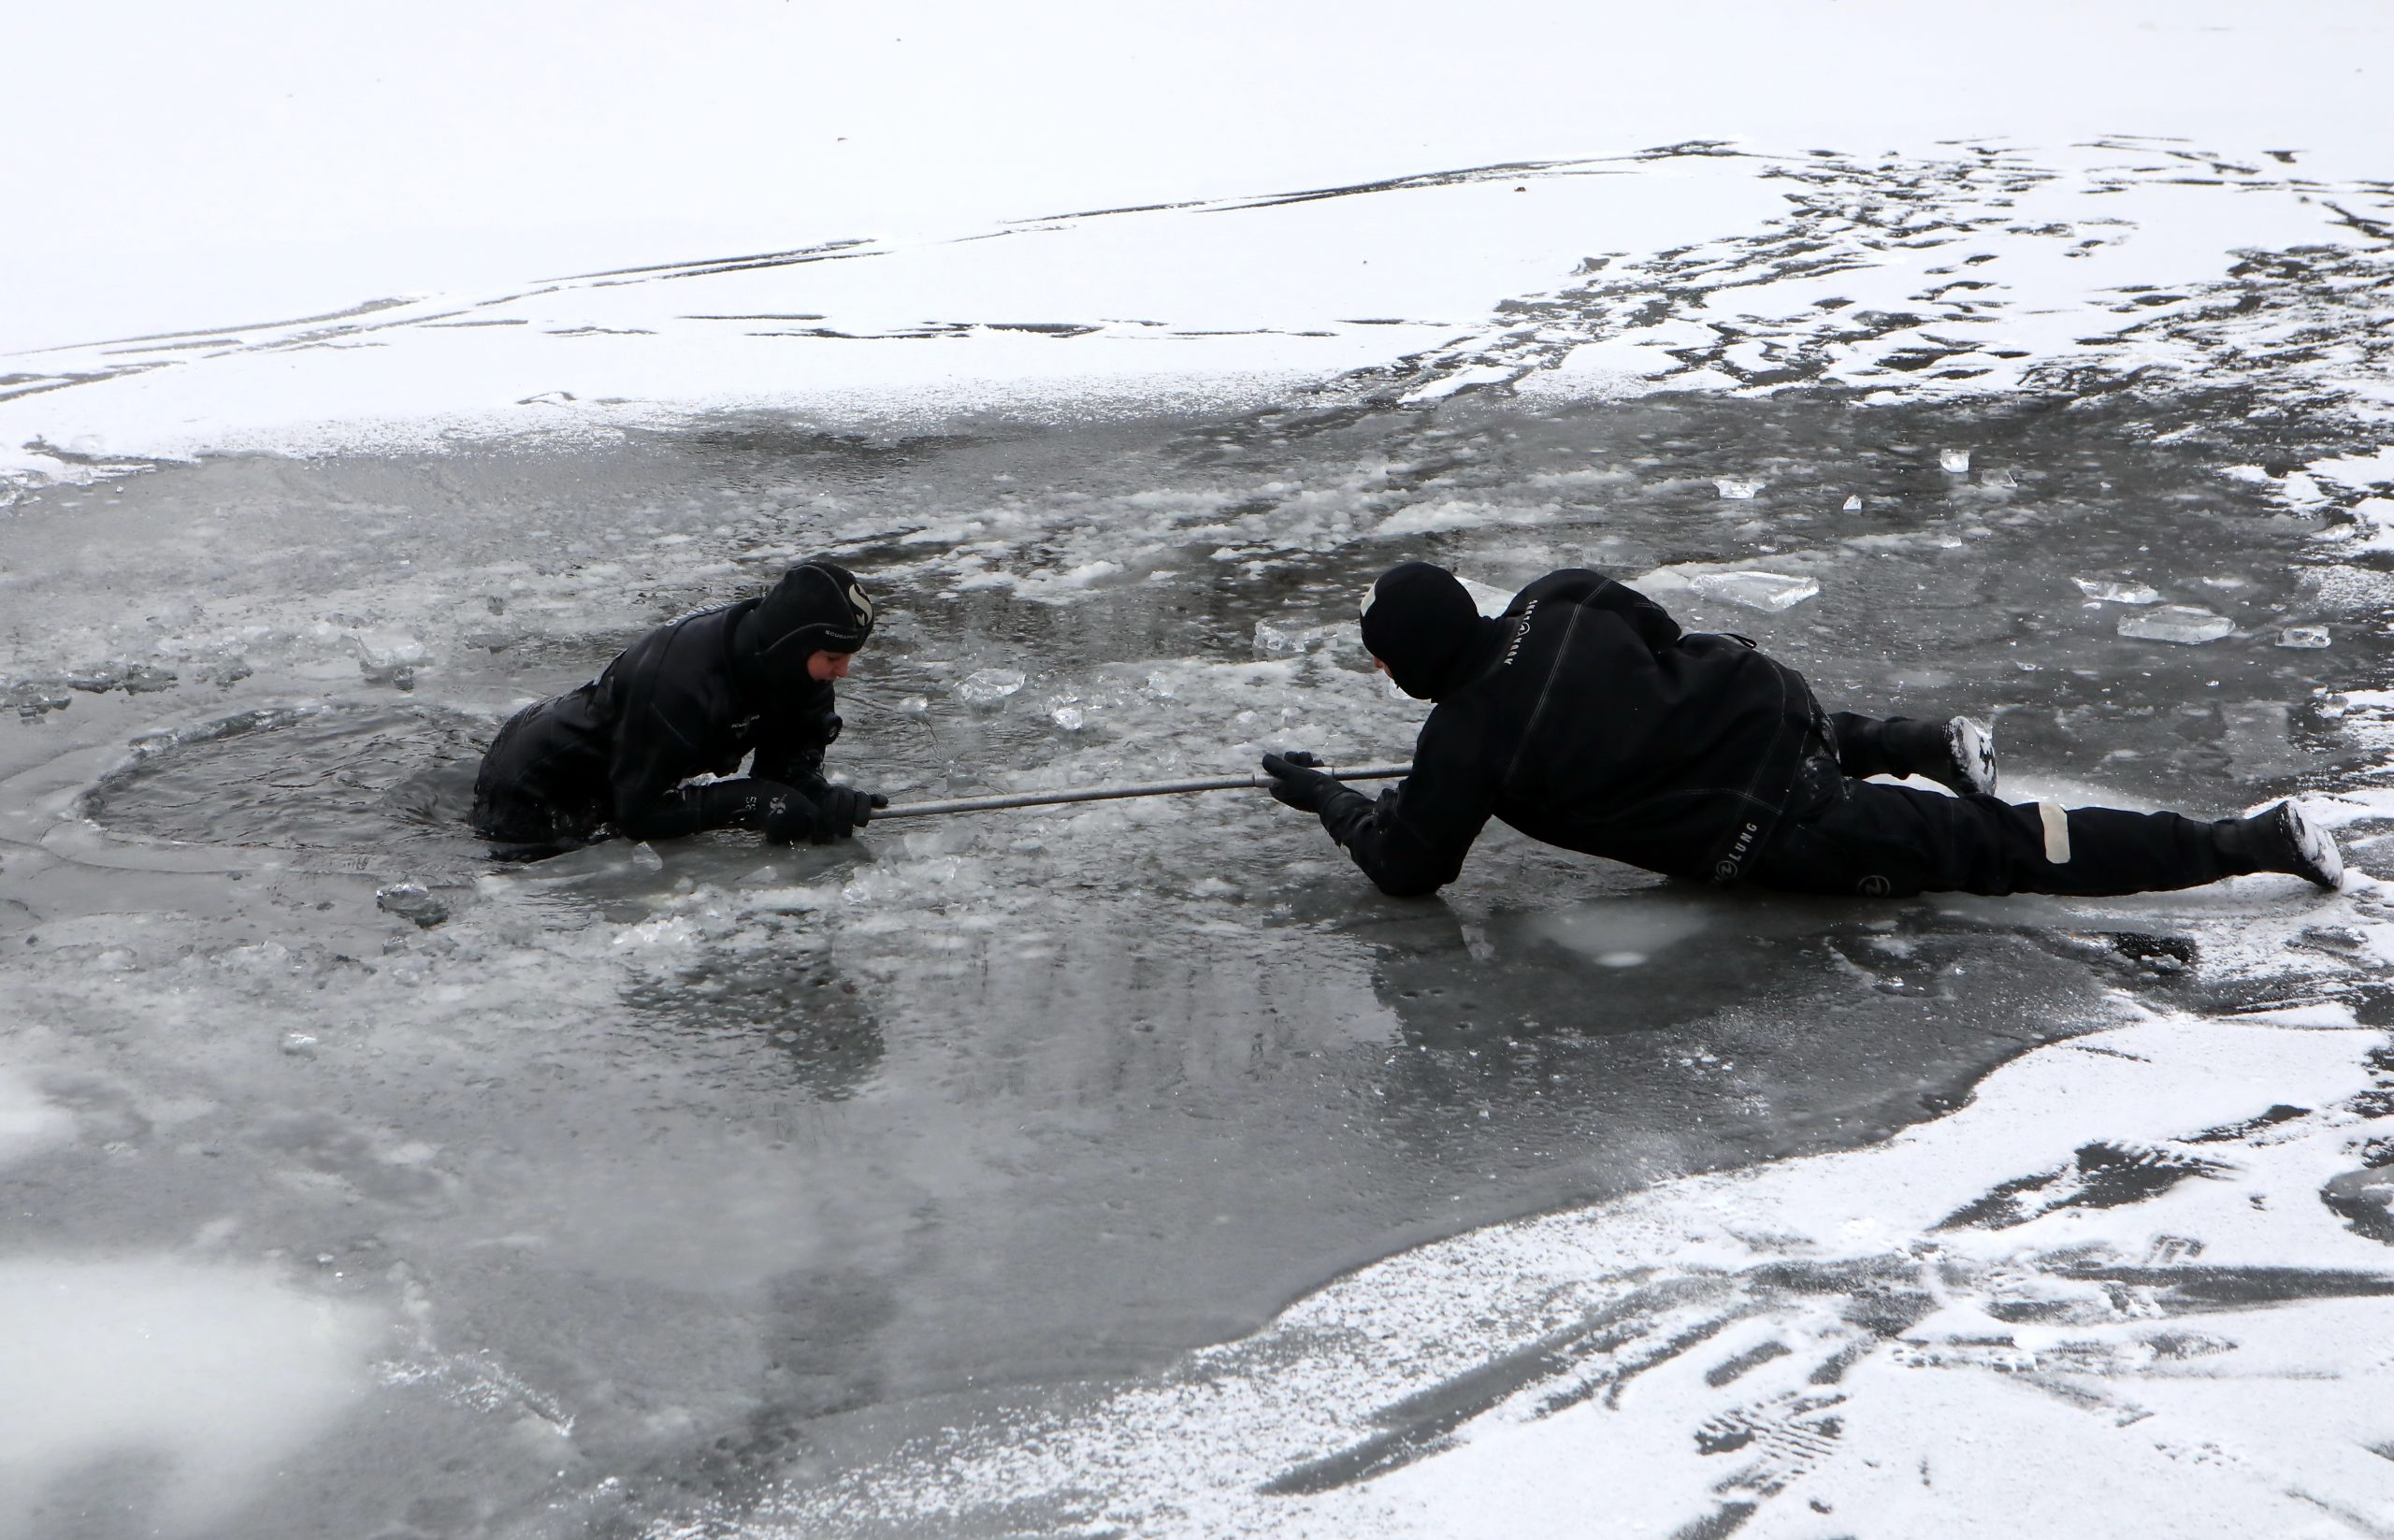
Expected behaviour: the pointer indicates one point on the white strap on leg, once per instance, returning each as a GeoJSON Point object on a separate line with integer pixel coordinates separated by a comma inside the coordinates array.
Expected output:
{"type": "Point", "coordinates": [2056, 821]}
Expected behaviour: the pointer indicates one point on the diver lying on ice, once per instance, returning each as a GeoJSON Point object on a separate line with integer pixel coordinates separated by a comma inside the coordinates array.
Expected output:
{"type": "Point", "coordinates": [1586, 718]}
{"type": "Point", "coordinates": [692, 698]}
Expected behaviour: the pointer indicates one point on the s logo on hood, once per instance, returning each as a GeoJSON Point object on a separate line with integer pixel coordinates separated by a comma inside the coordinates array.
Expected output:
{"type": "Point", "coordinates": [862, 605]}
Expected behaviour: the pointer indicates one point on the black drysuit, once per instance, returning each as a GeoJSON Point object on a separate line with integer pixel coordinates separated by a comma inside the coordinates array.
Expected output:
{"type": "Point", "coordinates": [681, 702]}
{"type": "Point", "coordinates": [1586, 718]}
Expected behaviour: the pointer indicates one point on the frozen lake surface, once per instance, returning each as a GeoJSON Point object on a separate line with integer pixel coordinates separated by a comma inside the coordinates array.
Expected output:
{"type": "Point", "coordinates": [714, 1189]}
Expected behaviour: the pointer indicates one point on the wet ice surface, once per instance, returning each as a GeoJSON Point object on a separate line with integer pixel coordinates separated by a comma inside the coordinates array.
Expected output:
{"type": "Point", "coordinates": [720, 1190]}
{"type": "Point", "coordinates": [675, 1174]}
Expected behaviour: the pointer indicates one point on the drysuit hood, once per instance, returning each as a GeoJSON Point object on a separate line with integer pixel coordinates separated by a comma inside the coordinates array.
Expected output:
{"type": "Point", "coordinates": [816, 608]}
{"type": "Point", "coordinates": [1419, 620]}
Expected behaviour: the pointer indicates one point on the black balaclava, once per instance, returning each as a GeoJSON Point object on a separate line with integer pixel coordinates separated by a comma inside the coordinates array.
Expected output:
{"type": "Point", "coordinates": [816, 608]}
{"type": "Point", "coordinates": [1420, 622]}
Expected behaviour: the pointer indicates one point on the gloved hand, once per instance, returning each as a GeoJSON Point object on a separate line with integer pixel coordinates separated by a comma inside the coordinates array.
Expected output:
{"type": "Point", "coordinates": [791, 816]}
{"type": "Point", "coordinates": [1297, 780]}
{"type": "Point", "coordinates": [847, 807]}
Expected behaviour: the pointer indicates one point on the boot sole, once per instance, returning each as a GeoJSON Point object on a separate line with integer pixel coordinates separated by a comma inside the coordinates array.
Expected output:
{"type": "Point", "coordinates": [1973, 744]}
{"type": "Point", "coordinates": [2322, 862]}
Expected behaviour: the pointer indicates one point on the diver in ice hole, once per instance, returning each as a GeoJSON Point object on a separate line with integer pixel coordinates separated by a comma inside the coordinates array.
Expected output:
{"type": "Point", "coordinates": [692, 698]}
{"type": "Point", "coordinates": [1586, 718]}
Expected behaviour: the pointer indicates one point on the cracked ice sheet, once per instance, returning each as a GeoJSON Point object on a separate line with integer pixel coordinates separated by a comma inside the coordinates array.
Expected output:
{"type": "Point", "coordinates": [2201, 1348]}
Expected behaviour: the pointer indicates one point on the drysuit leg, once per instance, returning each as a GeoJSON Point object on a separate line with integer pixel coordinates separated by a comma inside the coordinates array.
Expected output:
{"type": "Point", "coordinates": [1891, 745]}
{"type": "Point", "coordinates": [1875, 839]}
{"type": "Point", "coordinates": [511, 808]}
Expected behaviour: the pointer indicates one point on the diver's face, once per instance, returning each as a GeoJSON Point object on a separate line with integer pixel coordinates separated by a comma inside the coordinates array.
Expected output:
{"type": "Point", "coordinates": [823, 668]}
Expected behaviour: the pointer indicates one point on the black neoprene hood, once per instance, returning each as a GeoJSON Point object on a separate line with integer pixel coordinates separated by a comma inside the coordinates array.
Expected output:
{"type": "Point", "coordinates": [818, 607]}
{"type": "Point", "coordinates": [1419, 620]}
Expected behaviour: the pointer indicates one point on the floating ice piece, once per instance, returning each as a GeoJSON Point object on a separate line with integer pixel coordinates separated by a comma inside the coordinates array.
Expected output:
{"type": "Point", "coordinates": [987, 686]}
{"type": "Point", "coordinates": [1737, 490]}
{"type": "Point", "coordinates": [1070, 718]}
{"type": "Point", "coordinates": [299, 1044]}
{"type": "Point", "coordinates": [1852, 504]}
{"type": "Point", "coordinates": [2184, 623]}
{"type": "Point", "coordinates": [1756, 590]}
{"type": "Point", "coordinates": [1955, 460]}
{"type": "Point", "coordinates": [914, 705]}
{"type": "Point", "coordinates": [411, 902]}
{"type": "Point", "coordinates": [2303, 636]}
{"type": "Point", "coordinates": [1998, 479]}
{"type": "Point", "coordinates": [1278, 639]}
{"type": "Point", "coordinates": [34, 697]}
{"type": "Point", "coordinates": [2105, 591]}
{"type": "Point", "coordinates": [387, 657]}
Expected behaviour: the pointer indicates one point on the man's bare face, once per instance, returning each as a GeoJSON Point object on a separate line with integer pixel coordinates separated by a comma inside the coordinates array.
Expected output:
{"type": "Point", "coordinates": [823, 668]}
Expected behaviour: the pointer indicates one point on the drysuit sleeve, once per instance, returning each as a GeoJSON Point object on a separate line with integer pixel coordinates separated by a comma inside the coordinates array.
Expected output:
{"type": "Point", "coordinates": [746, 802]}
{"type": "Point", "coordinates": [1412, 841]}
{"type": "Point", "coordinates": [1653, 624]}
{"type": "Point", "coordinates": [792, 751]}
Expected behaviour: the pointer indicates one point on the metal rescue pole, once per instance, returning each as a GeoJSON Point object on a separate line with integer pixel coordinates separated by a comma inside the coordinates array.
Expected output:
{"type": "Point", "coordinates": [1106, 793]}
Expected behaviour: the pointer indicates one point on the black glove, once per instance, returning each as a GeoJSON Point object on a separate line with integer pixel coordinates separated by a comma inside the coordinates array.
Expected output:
{"type": "Point", "coordinates": [848, 808]}
{"type": "Point", "coordinates": [791, 816]}
{"type": "Point", "coordinates": [1295, 780]}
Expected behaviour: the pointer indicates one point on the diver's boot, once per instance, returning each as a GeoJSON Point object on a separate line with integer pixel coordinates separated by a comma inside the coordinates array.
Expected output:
{"type": "Point", "coordinates": [1970, 744]}
{"type": "Point", "coordinates": [1958, 754]}
{"type": "Point", "coordinates": [2279, 839]}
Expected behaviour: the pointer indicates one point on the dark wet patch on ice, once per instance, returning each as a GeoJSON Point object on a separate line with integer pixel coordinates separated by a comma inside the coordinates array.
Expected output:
{"type": "Point", "coordinates": [1753, 1358]}
{"type": "Point", "coordinates": [2104, 1176]}
{"type": "Point", "coordinates": [2199, 1289]}
{"type": "Point", "coordinates": [1723, 1521]}
{"type": "Point", "coordinates": [2238, 1132]}
{"type": "Point", "coordinates": [2364, 1199]}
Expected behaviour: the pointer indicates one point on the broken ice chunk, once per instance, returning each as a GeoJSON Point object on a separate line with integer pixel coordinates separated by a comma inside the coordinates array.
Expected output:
{"type": "Point", "coordinates": [2303, 636]}
{"type": "Point", "coordinates": [1280, 639]}
{"type": "Point", "coordinates": [1738, 490]}
{"type": "Point", "coordinates": [914, 705]}
{"type": "Point", "coordinates": [1998, 479]}
{"type": "Point", "coordinates": [411, 902]}
{"type": "Point", "coordinates": [1852, 504]}
{"type": "Point", "coordinates": [1756, 590]}
{"type": "Point", "coordinates": [387, 657]}
{"type": "Point", "coordinates": [1070, 718]}
{"type": "Point", "coordinates": [1955, 460]}
{"type": "Point", "coordinates": [987, 686]}
{"type": "Point", "coordinates": [34, 697]}
{"type": "Point", "coordinates": [2106, 591]}
{"type": "Point", "coordinates": [2184, 622]}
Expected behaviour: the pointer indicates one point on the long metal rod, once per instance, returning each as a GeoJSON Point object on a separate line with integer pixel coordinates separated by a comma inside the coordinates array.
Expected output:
{"type": "Point", "coordinates": [1106, 793]}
